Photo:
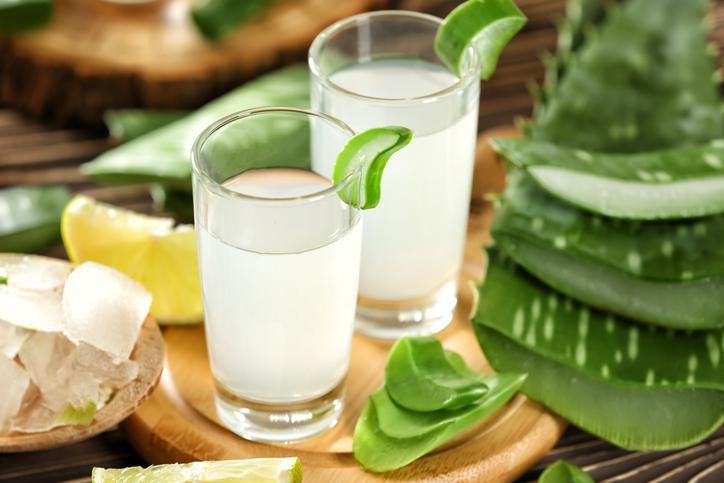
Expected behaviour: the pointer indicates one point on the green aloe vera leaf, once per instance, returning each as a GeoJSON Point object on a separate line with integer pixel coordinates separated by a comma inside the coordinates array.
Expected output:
{"type": "Point", "coordinates": [600, 345]}
{"type": "Point", "coordinates": [629, 416]}
{"type": "Point", "coordinates": [163, 155]}
{"type": "Point", "coordinates": [685, 305]}
{"type": "Point", "coordinates": [420, 377]}
{"type": "Point", "coordinates": [645, 81]}
{"type": "Point", "coordinates": [366, 154]}
{"type": "Point", "coordinates": [377, 451]}
{"type": "Point", "coordinates": [657, 250]}
{"type": "Point", "coordinates": [486, 25]}
{"type": "Point", "coordinates": [682, 182]}
{"type": "Point", "coordinates": [127, 124]}
{"type": "Point", "coordinates": [563, 472]}
{"type": "Point", "coordinates": [217, 18]}
{"type": "Point", "coordinates": [30, 217]}
{"type": "Point", "coordinates": [21, 15]}
{"type": "Point", "coordinates": [179, 203]}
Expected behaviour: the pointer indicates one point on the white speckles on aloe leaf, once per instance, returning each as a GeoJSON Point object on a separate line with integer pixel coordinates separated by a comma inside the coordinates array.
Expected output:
{"type": "Point", "coordinates": [675, 183]}
{"type": "Point", "coordinates": [632, 416]}
{"type": "Point", "coordinates": [633, 87]}
{"type": "Point", "coordinates": [616, 265]}
{"type": "Point", "coordinates": [507, 288]}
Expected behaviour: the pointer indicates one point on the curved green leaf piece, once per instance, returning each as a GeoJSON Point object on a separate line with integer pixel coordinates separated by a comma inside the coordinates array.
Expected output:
{"type": "Point", "coordinates": [164, 155]}
{"type": "Point", "coordinates": [664, 273]}
{"type": "Point", "coordinates": [21, 15]}
{"type": "Point", "coordinates": [644, 81]}
{"type": "Point", "coordinates": [563, 472]}
{"type": "Point", "coordinates": [599, 345]}
{"type": "Point", "coordinates": [680, 182]}
{"type": "Point", "coordinates": [30, 219]}
{"type": "Point", "coordinates": [487, 25]}
{"type": "Point", "coordinates": [378, 451]}
{"type": "Point", "coordinates": [367, 154]}
{"type": "Point", "coordinates": [629, 416]}
{"type": "Point", "coordinates": [217, 18]}
{"type": "Point", "coordinates": [421, 376]}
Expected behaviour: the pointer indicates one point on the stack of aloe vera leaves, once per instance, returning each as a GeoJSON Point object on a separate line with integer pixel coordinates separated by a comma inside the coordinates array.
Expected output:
{"type": "Point", "coordinates": [606, 282]}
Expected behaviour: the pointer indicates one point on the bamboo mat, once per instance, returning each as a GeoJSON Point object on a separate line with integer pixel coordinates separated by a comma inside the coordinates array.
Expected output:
{"type": "Point", "coordinates": [32, 152]}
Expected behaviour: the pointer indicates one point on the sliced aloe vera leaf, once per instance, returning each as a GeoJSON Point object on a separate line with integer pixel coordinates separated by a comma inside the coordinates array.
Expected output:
{"type": "Point", "coordinates": [486, 25]}
{"type": "Point", "coordinates": [126, 124]}
{"type": "Point", "coordinates": [629, 416]}
{"type": "Point", "coordinates": [20, 15]}
{"type": "Point", "coordinates": [686, 305]}
{"type": "Point", "coordinates": [675, 183]}
{"type": "Point", "coordinates": [664, 251]}
{"type": "Point", "coordinates": [600, 345]}
{"type": "Point", "coordinates": [645, 81]}
{"type": "Point", "coordinates": [563, 472]}
{"type": "Point", "coordinates": [365, 156]}
{"type": "Point", "coordinates": [377, 451]}
{"type": "Point", "coordinates": [164, 155]}
{"type": "Point", "coordinates": [420, 377]}
{"type": "Point", "coordinates": [30, 217]}
{"type": "Point", "coordinates": [217, 18]}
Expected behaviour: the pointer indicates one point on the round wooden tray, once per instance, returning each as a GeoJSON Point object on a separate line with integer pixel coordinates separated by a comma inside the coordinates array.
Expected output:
{"type": "Point", "coordinates": [95, 55]}
{"type": "Point", "coordinates": [179, 423]}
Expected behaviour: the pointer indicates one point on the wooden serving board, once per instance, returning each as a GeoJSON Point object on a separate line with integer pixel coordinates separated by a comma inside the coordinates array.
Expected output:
{"type": "Point", "coordinates": [179, 423]}
{"type": "Point", "coordinates": [95, 55]}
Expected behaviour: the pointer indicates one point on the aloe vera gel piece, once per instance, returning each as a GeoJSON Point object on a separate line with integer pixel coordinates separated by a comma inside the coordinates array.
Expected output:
{"type": "Point", "coordinates": [563, 472]}
{"type": "Point", "coordinates": [430, 396]}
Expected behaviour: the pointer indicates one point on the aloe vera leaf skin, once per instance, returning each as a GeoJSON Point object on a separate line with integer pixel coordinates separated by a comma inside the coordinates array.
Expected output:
{"type": "Point", "coordinates": [600, 345]}
{"type": "Point", "coordinates": [377, 451]}
{"type": "Point", "coordinates": [690, 305]}
{"type": "Point", "coordinates": [563, 472]}
{"type": "Point", "coordinates": [420, 377]}
{"type": "Point", "coordinates": [164, 155]}
{"type": "Point", "coordinates": [216, 18]}
{"type": "Point", "coordinates": [31, 217]}
{"type": "Point", "coordinates": [178, 202]}
{"type": "Point", "coordinates": [127, 124]}
{"type": "Point", "coordinates": [21, 15]}
{"type": "Point", "coordinates": [645, 81]}
{"type": "Point", "coordinates": [631, 417]}
{"type": "Point", "coordinates": [663, 251]}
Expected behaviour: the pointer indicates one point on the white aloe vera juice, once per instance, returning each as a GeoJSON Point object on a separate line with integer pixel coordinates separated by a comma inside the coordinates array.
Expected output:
{"type": "Point", "coordinates": [413, 241]}
{"type": "Point", "coordinates": [280, 312]}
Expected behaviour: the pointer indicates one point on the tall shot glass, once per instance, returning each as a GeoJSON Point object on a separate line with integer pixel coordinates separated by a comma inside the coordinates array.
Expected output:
{"type": "Point", "coordinates": [377, 69]}
{"type": "Point", "coordinates": [279, 255]}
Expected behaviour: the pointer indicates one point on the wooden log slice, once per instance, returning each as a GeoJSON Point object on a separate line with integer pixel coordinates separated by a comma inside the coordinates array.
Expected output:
{"type": "Point", "coordinates": [96, 55]}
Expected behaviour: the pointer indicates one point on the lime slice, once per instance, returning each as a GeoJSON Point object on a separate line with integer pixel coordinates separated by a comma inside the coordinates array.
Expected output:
{"type": "Point", "coordinates": [148, 249]}
{"type": "Point", "coordinates": [269, 470]}
{"type": "Point", "coordinates": [486, 25]}
{"type": "Point", "coordinates": [367, 154]}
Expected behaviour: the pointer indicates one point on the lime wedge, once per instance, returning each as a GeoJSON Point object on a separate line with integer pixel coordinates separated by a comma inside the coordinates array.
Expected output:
{"type": "Point", "coordinates": [486, 25]}
{"type": "Point", "coordinates": [367, 154]}
{"type": "Point", "coordinates": [266, 470]}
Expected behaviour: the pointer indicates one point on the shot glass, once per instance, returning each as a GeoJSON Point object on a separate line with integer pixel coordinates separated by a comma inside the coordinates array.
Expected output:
{"type": "Point", "coordinates": [380, 68]}
{"type": "Point", "coordinates": [279, 255]}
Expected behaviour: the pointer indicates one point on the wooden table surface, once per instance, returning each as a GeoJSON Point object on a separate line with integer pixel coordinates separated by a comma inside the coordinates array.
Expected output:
{"type": "Point", "coordinates": [32, 152]}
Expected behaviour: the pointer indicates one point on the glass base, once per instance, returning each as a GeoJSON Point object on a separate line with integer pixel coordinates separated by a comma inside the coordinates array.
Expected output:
{"type": "Point", "coordinates": [279, 423]}
{"type": "Point", "coordinates": [392, 320]}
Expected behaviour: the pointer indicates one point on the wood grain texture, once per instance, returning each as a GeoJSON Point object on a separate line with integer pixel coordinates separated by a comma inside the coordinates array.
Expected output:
{"type": "Point", "coordinates": [148, 352]}
{"type": "Point", "coordinates": [179, 422]}
{"type": "Point", "coordinates": [95, 55]}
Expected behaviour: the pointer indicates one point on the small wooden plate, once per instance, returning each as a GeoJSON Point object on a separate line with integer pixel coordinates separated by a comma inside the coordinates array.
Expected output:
{"type": "Point", "coordinates": [179, 422]}
{"type": "Point", "coordinates": [148, 352]}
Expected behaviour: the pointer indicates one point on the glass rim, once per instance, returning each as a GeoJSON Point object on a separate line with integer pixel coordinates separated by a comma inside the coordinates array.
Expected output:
{"type": "Point", "coordinates": [211, 183]}
{"type": "Point", "coordinates": [472, 73]}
